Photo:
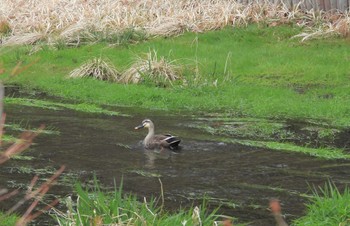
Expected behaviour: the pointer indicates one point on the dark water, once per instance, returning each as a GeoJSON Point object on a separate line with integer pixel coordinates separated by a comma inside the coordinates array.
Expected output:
{"type": "Point", "coordinates": [226, 173]}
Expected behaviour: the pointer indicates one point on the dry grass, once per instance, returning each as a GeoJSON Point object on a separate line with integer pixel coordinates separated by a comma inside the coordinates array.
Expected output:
{"type": "Point", "coordinates": [96, 68]}
{"type": "Point", "coordinates": [157, 70]}
{"type": "Point", "coordinates": [324, 25]}
{"type": "Point", "coordinates": [35, 20]}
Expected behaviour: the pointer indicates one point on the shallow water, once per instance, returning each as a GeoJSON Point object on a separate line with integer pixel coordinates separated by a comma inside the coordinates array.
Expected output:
{"type": "Point", "coordinates": [226, 173]}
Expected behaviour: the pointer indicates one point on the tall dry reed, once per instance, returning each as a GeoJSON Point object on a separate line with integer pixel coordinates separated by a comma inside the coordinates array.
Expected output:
{"type": "Point", "coordinates": [51, 20]}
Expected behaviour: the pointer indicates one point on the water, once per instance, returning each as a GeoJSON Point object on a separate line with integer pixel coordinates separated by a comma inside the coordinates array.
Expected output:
{"type": "Point", "coordinates": [226, 173]}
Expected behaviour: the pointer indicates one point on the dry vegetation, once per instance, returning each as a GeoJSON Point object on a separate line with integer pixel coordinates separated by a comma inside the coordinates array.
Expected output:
{"type": "Point", "coordinates": [49, 21]}
{"type": "Point", "coordinates": [96, 68]}
{"type": "Point", "coordinates": [152, 68]}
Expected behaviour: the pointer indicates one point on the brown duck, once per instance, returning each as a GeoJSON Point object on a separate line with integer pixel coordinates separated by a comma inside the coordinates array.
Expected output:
{"type": "Point", "coordinates": [153, 141]}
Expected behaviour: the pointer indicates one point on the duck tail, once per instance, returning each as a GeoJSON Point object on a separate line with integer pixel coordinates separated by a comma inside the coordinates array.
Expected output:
{"type": "Point", "coordinates": [173, 142]}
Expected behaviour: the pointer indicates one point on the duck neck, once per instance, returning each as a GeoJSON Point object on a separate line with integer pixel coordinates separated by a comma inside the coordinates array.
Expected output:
{"type": "Point", "coordinates": [149, 135]}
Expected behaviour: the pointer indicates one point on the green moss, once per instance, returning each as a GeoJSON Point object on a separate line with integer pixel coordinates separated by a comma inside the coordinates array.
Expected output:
{"type": "Point", "coordinates": [325, 153]}
{"type": "Point", "coordinates": [83, 107]}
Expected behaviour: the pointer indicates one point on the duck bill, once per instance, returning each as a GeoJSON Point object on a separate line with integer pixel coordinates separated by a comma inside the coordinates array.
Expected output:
{"type": "Point", "coordinates": [139, 127]}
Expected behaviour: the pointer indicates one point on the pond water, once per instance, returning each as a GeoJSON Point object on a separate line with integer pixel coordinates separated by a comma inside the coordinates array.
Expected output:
{"type": "Point", "coordinates": [226, 173]}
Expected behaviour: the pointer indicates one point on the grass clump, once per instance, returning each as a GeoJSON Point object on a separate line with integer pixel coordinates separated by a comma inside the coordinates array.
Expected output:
{"type": "Point", "coordinates": [126, 36]}
{"type": "Point", "coordinates": [5, 27]}
{"type": "Point", "coordinates": [328, 207]}
{"type": "Point", "coordinates": [96, 68]}
{"type": "Point", "coordinates": [98, 207]}
{"type": "Point", "coordinates": [6, 219]}
{"type": "Point", "coordinates": [159, 71]}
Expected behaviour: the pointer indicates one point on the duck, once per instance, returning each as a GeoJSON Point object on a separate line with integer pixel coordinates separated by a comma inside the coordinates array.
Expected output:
{"type": "Point", "coordinates": [159, 141]}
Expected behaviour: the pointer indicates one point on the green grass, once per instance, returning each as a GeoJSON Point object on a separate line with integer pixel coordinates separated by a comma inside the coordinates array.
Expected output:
{"type": "Point", "coordinates": [117, 207]}
{"type": "Point", "coordinates": [328, 206]}
{"type": "Point", "coordinates": [6, 220]}
{"type": "Point", "coordinates": [267, 74]}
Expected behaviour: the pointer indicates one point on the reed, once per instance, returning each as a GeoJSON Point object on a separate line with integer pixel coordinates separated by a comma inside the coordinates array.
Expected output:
{"type": "Point", "coordinates": [73, 21]}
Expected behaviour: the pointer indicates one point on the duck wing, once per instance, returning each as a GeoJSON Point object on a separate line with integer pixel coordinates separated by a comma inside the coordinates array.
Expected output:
{"type": "Point", "coordinates": [172, 142]}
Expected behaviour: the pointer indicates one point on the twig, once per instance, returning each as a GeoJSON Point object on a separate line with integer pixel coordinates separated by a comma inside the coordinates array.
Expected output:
{"type": "Point", "coordinates": [46, 208]}
{"type": "Point", "coordinates": [18, 69]}
{"type": "Point", "coordinates": [9, 195]}
{"type": "Point", "coordinates": [161, 194]}
{"type": "Point", "coordinates": [2, 123]}
{"type": "Point", "coordinates": [16, 148]}
{"type": "Point", "coordinates": [276, 212]}
{"type": "Point", "coordinates": [40, 192]}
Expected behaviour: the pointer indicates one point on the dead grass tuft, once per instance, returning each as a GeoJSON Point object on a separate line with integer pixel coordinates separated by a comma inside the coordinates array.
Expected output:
{"type": "Point", "coordinates": [160, 71]}
{"type": "Point", "coordinates": [26, 38]}
{"type": "Point", "coordinates": [167, 27]}
{"type": "Point", "coordinates": [342, 26]}
{"type": "Point", "coordinates": [96, 68]}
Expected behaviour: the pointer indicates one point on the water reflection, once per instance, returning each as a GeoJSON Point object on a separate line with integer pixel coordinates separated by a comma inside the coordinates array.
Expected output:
{"type": "Point", "coordinates": [153, 155]}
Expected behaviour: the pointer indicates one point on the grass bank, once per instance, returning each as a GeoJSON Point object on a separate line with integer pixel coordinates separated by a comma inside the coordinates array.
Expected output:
{"type": "Point", "coordinates": [257, 71]}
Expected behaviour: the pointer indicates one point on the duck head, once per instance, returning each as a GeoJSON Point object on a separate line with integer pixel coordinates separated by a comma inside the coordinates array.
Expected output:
{"type": "Point", "coordinates": [145, 124]}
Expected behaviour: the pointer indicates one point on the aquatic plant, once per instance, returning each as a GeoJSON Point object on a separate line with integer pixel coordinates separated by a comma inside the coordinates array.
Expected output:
{"type": "Point", "coordinates": [96, 68]}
